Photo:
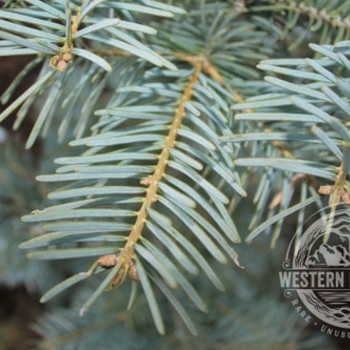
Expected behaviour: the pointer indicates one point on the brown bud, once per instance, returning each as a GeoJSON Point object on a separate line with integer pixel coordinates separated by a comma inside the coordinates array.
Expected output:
{"type": "Point", "coordinates": [346, 198]}
{"type": "Point", "coordinates": [60, 62]}
{"type": "Point", "coordinates": [133, 273]}
{"type": "Point", "coordinates": [61, 66]}
{"type": "Point", "coordinates": [146, 181]}
{"type": "Point", "coordinates": [325, 189]}
{"type": "Point", "coordinates": [54, 61]}
{"type": "Point", "coordinates": [67, 56]}
{"type": "Point", "coordinates": [119, 276]}
{"type": "Point", "coordinates": [109, 260]}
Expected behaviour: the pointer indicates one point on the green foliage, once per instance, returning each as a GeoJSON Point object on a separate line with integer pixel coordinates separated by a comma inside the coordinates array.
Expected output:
{"type": "Point", "coordinates": [170, 125]}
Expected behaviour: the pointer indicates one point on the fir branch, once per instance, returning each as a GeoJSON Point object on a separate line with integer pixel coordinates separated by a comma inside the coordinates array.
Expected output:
{"type": "Point", "coordinates": [59, 33]}
{"type": "Point", "coordinates": [163, 159]}
{"type": "Point", "coordinates": [160, 190]}
{"type": "Point", "coordinates": [150, 197]}
{"type": "Point", "coordinates": [328, 22]}
{"type": "Point", "coordinates": [319, 97]}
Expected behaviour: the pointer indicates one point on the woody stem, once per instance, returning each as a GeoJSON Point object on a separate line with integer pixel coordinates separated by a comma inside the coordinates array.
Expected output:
{"type": "Point", "coordinates": [161, 165]}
